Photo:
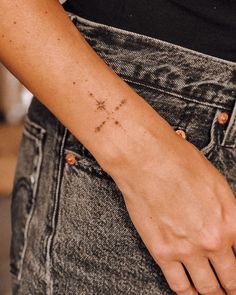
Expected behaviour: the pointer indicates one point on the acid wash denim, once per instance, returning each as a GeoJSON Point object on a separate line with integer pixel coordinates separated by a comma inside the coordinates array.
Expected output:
{"type": "Point", "coordinates": [71, 231]}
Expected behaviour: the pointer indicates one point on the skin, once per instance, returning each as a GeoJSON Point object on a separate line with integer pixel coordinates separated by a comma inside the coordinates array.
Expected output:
{"type": "Point", "coordinates": [169, 187]}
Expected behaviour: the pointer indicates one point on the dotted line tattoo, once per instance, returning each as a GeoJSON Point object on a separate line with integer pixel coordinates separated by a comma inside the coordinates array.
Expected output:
{"type": "Point", "coordinates": [101, 106]}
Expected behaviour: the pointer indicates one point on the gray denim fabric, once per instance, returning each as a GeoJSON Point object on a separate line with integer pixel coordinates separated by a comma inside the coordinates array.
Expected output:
{"type": "Point", "coordinates": [71, 230]}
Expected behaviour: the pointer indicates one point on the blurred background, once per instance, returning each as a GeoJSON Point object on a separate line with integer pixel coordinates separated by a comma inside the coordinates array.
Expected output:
{"type": "Point", "coordinates": [14, 102]}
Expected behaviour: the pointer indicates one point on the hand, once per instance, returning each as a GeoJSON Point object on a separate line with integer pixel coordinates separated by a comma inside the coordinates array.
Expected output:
{"type": "Point", "coordinates": [184, 211]}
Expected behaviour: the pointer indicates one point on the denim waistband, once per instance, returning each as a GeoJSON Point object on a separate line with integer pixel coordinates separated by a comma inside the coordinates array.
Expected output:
{"type": "Point", "coordinates": [161, 65]}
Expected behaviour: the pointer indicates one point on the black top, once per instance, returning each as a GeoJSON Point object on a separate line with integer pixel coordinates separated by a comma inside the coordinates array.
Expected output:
{"type": "Point", "coordinates": [208, 26]}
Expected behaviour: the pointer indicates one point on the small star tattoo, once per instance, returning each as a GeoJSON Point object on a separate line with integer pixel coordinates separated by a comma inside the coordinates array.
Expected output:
{"type": "Point", "coordinates": [100, 104]}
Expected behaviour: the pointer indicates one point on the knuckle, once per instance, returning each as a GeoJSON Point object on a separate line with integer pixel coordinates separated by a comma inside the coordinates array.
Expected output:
{"type": "Point", "coordinates": [208, 289]}
{"type": "Point", "coordinates": [181, 288]}
{"type": "Point", "coordinates": [162, 254]}
{"type": "Point", "coordinates": [212, 241]}
{"type": "Point", "coordinates": [187, 252]}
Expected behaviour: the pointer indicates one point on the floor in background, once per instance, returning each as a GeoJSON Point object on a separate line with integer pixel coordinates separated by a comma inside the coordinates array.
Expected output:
{"type": "Point", "coordinates": [4, 245]}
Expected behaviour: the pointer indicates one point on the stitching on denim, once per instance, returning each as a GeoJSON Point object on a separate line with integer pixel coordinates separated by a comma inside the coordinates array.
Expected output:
{"type": "Point", "coordinates": [92, 171]}
{"type": "Point", "coordinates": [170, 91]}
{"type": "Point", "coordinates": [230, 129]}
{"type": "Point", "coordinates": [38, 142]}
{"type": "Point", "coordinates": [212, 142]}
{"type": "Point", "coordinates": [31, 136]}
{"type": "Point", "coordinates": [88, 165]}
{"type": "Point", "coordinates": [178, 95]}
{"type": "Point", "coordinates": [34, 125]}
{"type": "Point", "coordinates": [49, 281]}
{"type": "Point", "coordinates": [233, 88]}
{"type": "Point", "coordinates": [229, 146]}
{"type": "Point", "coordinates": [22, 182]}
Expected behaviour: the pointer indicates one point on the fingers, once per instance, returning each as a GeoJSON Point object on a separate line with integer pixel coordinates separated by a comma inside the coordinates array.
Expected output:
{"type": "Point", "coordinates": [225, 267]}
{"type": "Point", "coordinates": [177, 278]}
{"type": "Point", "coordinates": [203, 276]}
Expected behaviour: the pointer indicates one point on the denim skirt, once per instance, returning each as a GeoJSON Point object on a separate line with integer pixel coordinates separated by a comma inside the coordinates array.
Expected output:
{"type": "Point", "coordinates": [71, 232]}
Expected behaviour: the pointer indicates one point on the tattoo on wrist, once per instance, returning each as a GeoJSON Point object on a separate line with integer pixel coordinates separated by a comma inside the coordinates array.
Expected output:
{"type": "Point", "coordinates": [101, 106]}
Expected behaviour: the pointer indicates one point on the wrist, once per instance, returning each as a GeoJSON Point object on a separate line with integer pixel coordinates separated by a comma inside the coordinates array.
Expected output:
{"type": "Point", "coordinates": [141, 128]}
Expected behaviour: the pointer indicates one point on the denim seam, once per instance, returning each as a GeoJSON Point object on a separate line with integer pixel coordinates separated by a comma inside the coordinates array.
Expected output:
{"type": "Point", "coordinates": [230, 129]}
{"type": "Point", "coordinates": [34, 125]}
{"type": "Point", "coordinates": [177, 95]}
{"type": "Point", "coordinates": [38, 142]}
{"type": "Point", "coordinates": [90, 167]}
{"type": "Point", "coordinates": [213, 131]}
{"type": "Point", "coordinates": [31, 136]}
{"type": "Point", "coordinates": [49, 281]}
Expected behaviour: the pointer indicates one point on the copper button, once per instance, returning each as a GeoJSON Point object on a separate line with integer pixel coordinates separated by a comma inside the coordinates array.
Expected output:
{"type": "Point", "coordinates": [70, 159]}
{"type": "Point", "coordinates": [223, 118]}
{"type": "Point", "coordinates": [181, 133]}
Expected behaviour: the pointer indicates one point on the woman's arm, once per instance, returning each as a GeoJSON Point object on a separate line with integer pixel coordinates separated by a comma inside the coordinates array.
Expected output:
{"type": "Point", "coordinates": [39, 44]}
{"type": "Point", "coordinates": [44, 50]}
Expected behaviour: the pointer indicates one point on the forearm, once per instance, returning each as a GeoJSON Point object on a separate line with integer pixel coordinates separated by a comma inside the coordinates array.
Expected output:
{"type": "Point", "coordinates": [45, 51]}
